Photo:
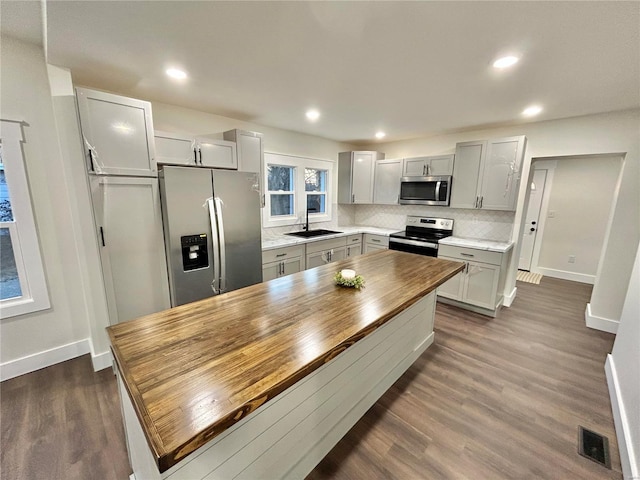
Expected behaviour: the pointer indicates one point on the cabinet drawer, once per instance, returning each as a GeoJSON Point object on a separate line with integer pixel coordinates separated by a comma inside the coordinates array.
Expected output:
{"type": "Point", "coordinates": [321, 245]}
{"type": "Point", "coordinates": [354, 239]}
{"type": "Point", "coordinates": [282, 253]}
{"type": "Point", "coordinates": [470, 254]}
{"type": "Point", "coordinates": [381, 240]}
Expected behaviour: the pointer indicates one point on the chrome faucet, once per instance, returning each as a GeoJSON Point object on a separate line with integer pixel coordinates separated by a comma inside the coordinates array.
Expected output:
{"type": "Point", "coordinates": [306, 225]}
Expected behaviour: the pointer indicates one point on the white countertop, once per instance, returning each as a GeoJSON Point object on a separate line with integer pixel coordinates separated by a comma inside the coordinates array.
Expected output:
{"type": "Point", "coordinates": [491, 245]}
{"type": "Point", "coordinates": [288, 240]}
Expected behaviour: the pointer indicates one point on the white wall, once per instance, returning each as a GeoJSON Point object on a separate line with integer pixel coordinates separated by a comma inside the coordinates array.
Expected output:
{"type": "Point", "coordinates": [25, 95]}
{"type": "Point", "coordinates": [608, 133]}
{"type": "Point", "coordinates": [580, 198]}
{"type": "Point", "coordinates": [623, 377]}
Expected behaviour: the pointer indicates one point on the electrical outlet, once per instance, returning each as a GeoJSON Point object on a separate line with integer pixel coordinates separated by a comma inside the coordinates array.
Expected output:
{"type": "Point", "coordinates": [572, 259]}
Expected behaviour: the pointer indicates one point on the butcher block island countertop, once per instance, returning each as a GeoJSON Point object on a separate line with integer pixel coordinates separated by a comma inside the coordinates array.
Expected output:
{"type": "Point", "coordinates": [193, 371]}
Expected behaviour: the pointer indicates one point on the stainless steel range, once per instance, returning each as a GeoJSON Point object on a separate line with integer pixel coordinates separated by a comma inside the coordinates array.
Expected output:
{"type": "Point", "coordinates": [421, 235]}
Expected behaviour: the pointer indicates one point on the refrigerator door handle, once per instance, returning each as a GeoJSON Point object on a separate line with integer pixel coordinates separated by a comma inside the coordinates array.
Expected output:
{"type": "Point", "coordinates": [215, 284]}
{"type": "Point", "coordinates": [222, 259]}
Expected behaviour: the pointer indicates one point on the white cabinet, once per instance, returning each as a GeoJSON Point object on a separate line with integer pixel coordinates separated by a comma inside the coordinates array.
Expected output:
{"type": "Point", "coordinates": [117, 134]}
{"type": "Point", "coordinates": [326, 251]}
{"type": "Point", "coordinates": [176, 149]}
{"type": "Point", "coordinates": [250, 153]}
{"type": "Point", "coordinates": [481, 283]}
{"type": "Point", "coordinates": [486, 174]}
{"type": "Point", "coordinates": [282, 261]}
{"type": "Point", "coordinates": [355, 176]}
{"type": "Point", "coordinates": [375, 242]}
{"type": "Point", "coordinates": [354, 245]}
{"type": "Point", "coordinates": [129, 229]}
{"type": "Point", "coordinates": [386, 185]}
{"type": "Point", "coordinates": [428, 166]}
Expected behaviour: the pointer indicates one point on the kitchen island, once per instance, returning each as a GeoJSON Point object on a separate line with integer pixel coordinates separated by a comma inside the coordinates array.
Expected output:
{"type": "Point", "coordinates": [262, 382]}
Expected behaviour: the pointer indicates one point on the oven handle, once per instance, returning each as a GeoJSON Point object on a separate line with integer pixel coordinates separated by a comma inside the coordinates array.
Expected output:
{"type": "Point", "coordinates": [415, 243]}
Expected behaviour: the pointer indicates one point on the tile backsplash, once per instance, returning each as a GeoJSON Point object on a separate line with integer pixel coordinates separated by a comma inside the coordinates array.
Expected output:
{"type": "Point", "coordinates": [481, 224]}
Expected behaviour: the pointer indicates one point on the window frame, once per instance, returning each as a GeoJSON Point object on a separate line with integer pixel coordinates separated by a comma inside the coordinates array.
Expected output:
{"type": "Point", "coordinates": [300, 195]}
{"type": "Point", "coordinates": [24, 236]}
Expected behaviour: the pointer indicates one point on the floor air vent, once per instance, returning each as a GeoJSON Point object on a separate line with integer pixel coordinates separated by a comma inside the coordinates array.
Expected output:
{"type": "Point", "coordinates": [594, 446]}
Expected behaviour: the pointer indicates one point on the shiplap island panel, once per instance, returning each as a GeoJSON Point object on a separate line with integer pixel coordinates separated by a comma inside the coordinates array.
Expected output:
{"type": "Point", "coordinates": [199, 379]}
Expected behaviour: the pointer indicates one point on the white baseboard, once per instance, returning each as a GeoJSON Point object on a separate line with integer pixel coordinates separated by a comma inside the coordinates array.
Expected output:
{"type": "Point", "coordinates": [630, 468]}
{"type": "Point", "coordinates": [600, 323]}
{"type": "Point", "coordinates": [565, 275]}
{"type": "Point", "coordinates": [100, 361]}
{"type": "Point", "coordinates": [508, 299]}
{"type": "Point", "coordinates": [31, 363]}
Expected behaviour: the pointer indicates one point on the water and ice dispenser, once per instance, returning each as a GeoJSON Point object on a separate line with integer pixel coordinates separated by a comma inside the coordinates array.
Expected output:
{"type": "Point", "coordinates": [194, 252]}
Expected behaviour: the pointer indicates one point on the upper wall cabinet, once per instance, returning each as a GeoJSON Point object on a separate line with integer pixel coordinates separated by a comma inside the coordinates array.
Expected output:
{"type": "Point", "coordinates": [355, 176]}
{"type": "Point", "coordinates": [428, 166]}
{"type": "Point", "coordinates": [486, 174]}
{"type": "Point", "coordinates": [117, 134]}
{"type": "Point", "coordinates": [386, 185]}
{"type": "Point", "coordinates": [250, 150]}
{"type": "Point", "coordinates": [176, 149]}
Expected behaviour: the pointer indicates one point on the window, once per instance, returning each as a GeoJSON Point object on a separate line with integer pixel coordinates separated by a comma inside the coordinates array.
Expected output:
{"type": "Point", "coordinates": [22, 283]}
{"type": "Point", "coordinates": [295, 184]}
{"type": "Point", "coordinates": [280, 181]}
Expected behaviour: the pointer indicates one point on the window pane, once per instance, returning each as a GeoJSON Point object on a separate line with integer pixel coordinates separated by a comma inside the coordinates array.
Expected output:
{"type": "Point", "coordinates": [6, 215]}
{"type": "Point", "coordinates": [316, 202]}
{"type": "Point", "coordinates": [281, 205]}
{"type": "Point", "coordinates": [315, 180]}
{"type": "Point", "coordinates": [280, 178]}
{"type": "Point", "coordinates": [9, 281]}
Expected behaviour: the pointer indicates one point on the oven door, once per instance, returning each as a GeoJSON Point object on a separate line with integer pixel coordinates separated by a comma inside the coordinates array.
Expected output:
{"type": "Point", "coordinates": [413, 246]}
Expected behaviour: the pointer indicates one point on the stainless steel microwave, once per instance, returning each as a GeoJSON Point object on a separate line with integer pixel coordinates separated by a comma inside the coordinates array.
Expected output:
{"type": "Point", "coordinates": [425, 190]}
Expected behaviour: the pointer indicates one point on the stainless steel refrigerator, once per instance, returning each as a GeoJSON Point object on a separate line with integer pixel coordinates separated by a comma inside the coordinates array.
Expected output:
{"type": "Point", "coordinates": [212, 233]}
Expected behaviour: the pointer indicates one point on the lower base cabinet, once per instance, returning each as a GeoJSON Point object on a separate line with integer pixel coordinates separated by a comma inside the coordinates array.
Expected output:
{"type": "Point", "coordinates": [354, 245]}
{"type": "Point", "coordinates": [282, 261]}
{"type": "Point", "coordinates": [481, 283]}
{"type": "Point", "coordinates": [326, 251]}
{"type": "Point", "coordinates": [375, 242]}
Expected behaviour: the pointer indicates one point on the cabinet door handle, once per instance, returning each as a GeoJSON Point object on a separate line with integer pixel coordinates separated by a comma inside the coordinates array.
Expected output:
{"type": "Point", "coordinates": [428, 166]}
{"type": "Point", "coordinates": [102, 236]}
{"type": "Point", "coordinates": [353, 198]}
{"type": "Point", "coordinates": [467, 254]}
{"type": "Point", "coordinates": [281, 255]}
{"type": "Point", "coordinates": [375, 240]}
{"type": "Point", "coordinates": [195, 156]}
{"type": "Point", "coordinates": [200, 152]}
{"type": "Point", "coordinates": [424, 170]}
{"type": "Point", "coordinates": [263, 200]}
{"type": "Point", "coordinates": [481, 200]}
{"type": "Point", "coordinates": [348, 251]}
{"type": "Point", "coordinates": [93, 168]}
{"type": "Point", "coordinates": [466, 267]}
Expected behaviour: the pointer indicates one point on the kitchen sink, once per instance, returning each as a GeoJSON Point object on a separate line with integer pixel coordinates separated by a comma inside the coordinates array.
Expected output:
{"type": "Point", "coordinates": [312, 233]}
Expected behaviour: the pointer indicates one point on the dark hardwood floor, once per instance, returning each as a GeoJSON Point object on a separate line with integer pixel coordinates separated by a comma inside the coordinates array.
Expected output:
{"type": "Point", "coordinates": [491, 399]}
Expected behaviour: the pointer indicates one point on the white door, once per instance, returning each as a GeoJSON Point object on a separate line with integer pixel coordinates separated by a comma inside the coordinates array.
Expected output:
{"type": "Point", "coordinates": [532, 219]}
{"type": "Point", "coordinates": [386, 186]}
{"type": "Point", "coordinates": [129, 228]}
{"type": "Point", "coordinates": [117, 134]}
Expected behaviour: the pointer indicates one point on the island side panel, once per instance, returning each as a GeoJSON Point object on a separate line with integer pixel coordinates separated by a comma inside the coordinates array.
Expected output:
{"type": "Point", "coordinates": [290, 434]}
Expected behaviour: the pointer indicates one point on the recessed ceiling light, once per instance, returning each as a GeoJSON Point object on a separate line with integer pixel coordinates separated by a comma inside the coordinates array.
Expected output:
{"type": "Point", "coordinates": [313, 115]}
{"type": "Point", "coordinates": [380, 135]}
{"type": "Point", "coordinates": [532, 110]}
{"type": "Point", "coordinates": [176, 73]}
{"type": "Point", "coordinates": [506, 62]}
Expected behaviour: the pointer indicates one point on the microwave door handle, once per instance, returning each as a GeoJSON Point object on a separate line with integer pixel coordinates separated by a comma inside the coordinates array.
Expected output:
{"type": "Point", "coordinates": [215, 284]}
{"type": "Point", "coordinates": [223, 258]}
{"type": "Point", "coordinates": [438, 190]}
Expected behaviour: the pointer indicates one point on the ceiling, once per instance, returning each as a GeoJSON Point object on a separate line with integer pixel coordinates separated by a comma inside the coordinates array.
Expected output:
{"type": "Point", "coordinates": [408, 68]}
